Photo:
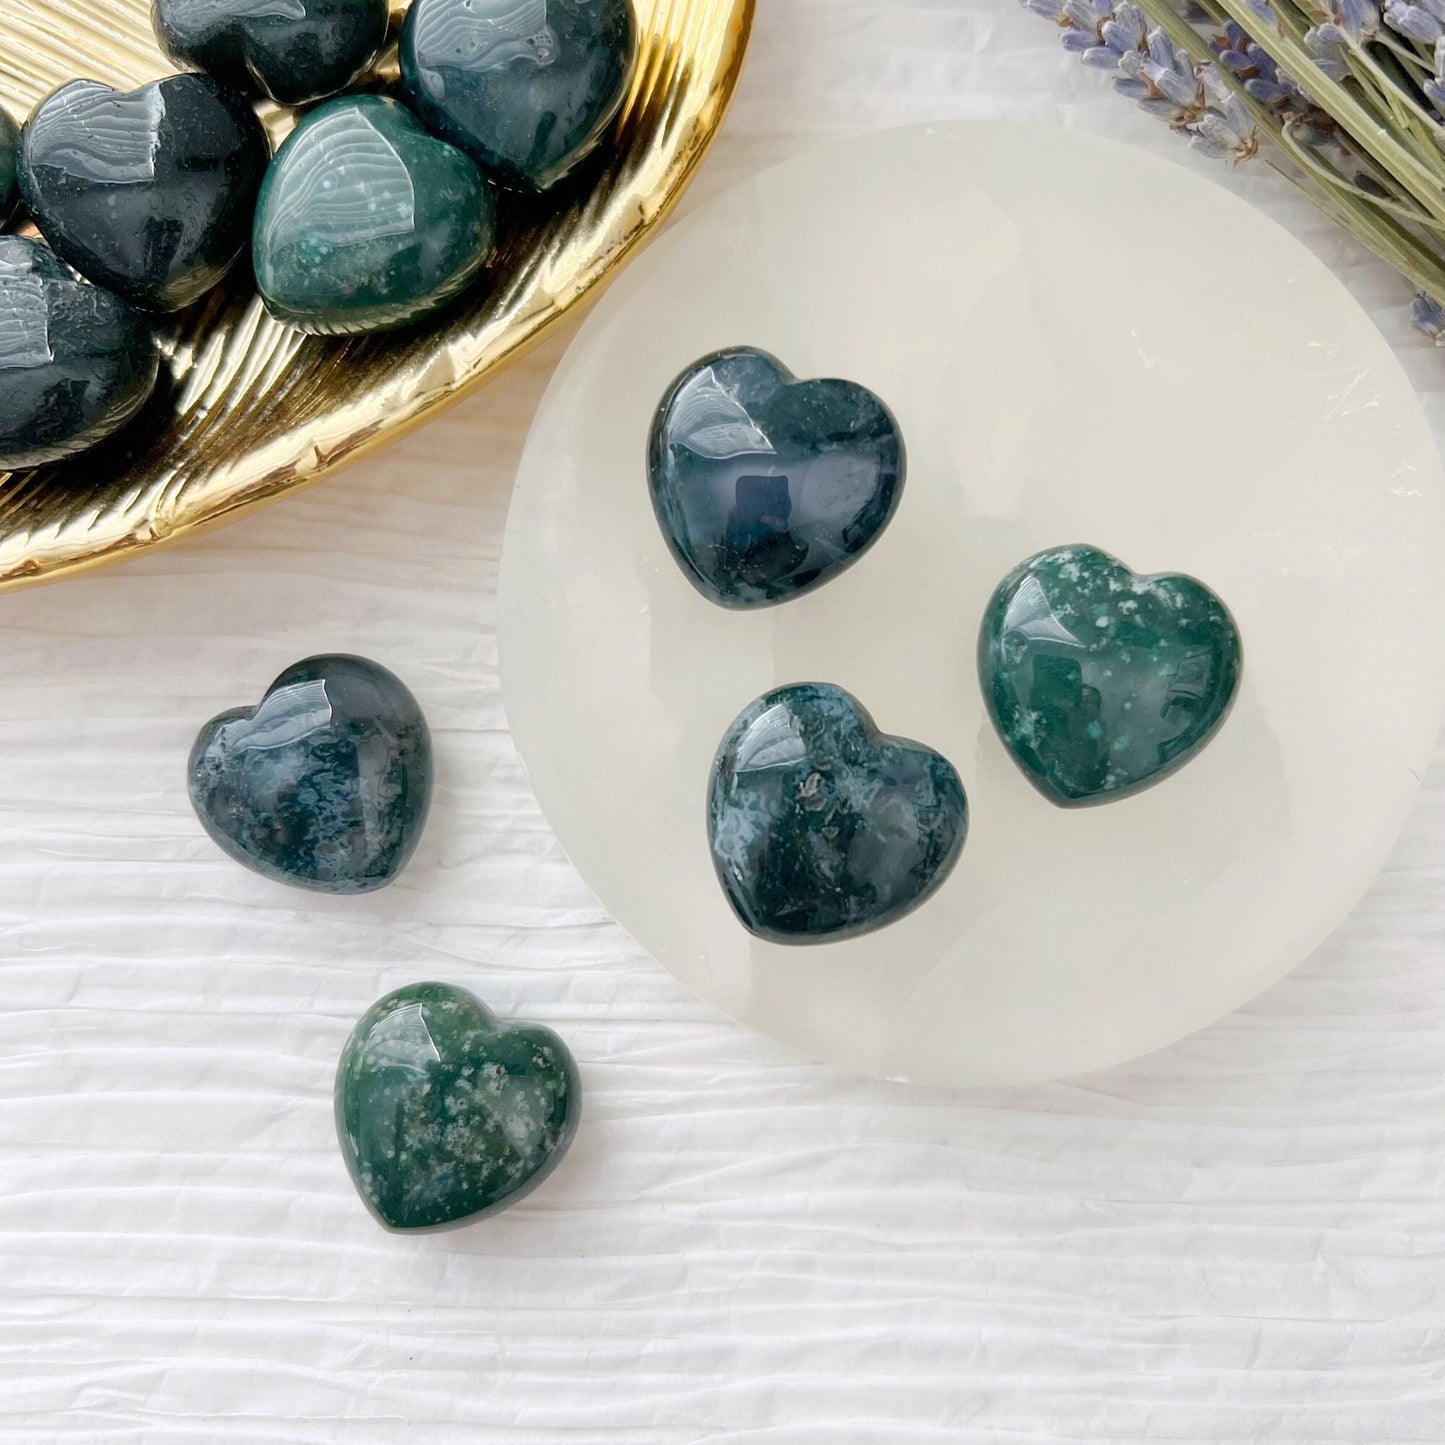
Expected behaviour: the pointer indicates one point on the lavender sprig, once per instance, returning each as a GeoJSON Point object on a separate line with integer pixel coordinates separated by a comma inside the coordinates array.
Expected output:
{"type": "Point", "coordinates": [1149, 68]}
{"type": "Point", "coordinates": [1343, 88]}
{"type": "Point", "coordinates": [1344, 24]}
{"type": "Point", "coordinates": [1265, 83]}
{"type": "Point", "coordinates": [1428, 316]}
{"type": "Point", "coordinates": [1422, 21]}
{"type": "Point", "coordinates": [1434, 86]}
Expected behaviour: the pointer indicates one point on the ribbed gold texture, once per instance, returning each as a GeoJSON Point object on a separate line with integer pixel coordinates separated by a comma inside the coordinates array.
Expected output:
{"type": "Point", "coordinates": [247, 409]}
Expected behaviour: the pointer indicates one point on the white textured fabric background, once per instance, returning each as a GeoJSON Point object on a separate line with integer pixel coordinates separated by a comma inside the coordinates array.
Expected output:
{"type": "Point", "coordinates": [1241, 1238]}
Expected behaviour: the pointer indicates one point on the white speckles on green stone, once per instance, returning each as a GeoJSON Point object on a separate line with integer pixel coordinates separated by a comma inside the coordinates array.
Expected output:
{"type": "Point", "coordinates": [366, 222]}
{"type": "Point", "coordinates": [443, 1114]}
{"type": "Point", "coordinates": [1101, 682]}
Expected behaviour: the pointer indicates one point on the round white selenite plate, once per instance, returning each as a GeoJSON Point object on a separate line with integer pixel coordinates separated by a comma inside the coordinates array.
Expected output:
{"type": "Point", "coordinates": [1081, 343]}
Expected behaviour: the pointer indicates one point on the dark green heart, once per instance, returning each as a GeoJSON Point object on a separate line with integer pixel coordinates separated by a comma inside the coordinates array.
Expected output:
{"type": "Point", "coordinates": [76, 363]}
{"type": "Point", "coordinates": [527, 88]}
{"type": "Point", "coordinates": [149, 192]}
{"type": "Point", "coordinates": [822, 828]}
{"type": "Point", "coordinates": [326, 784]}
{"type": "Point", "coordinates": [443, 1114]}
{"type": "Point", "coordinates": [293, 50]}
{"type": "Point", "coordinates": [1101, 682]}
{"type": "Point", "coordinates": [367, 222]}
{"type": "Point", "coordinates": [766, 487]}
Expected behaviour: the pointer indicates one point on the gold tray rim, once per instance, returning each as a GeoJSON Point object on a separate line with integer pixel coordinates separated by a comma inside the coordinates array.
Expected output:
{"type": "Point", "coordinates": [111, 535]}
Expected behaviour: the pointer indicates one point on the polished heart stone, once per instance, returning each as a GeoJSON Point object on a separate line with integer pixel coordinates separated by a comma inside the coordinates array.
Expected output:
{"type": "Point", "coordinates": [326, 784]}
{"type": "Point", "coordinates": [366, 221]}
{"type": "Point", "coordinates": [444, 1114]}
{"type": "Point", "coordinates": [9, 155]}
{"type": "Point", "coordinates": [821, 827]}
{"type": "Point", "coordinates": [76, 363]}
{"type": "Point", "coordinates": [1101, 682]}
{"type": "Point", "coordinates": [148, 193]}
{"type": "Point", "coordinates": [766, 487]}
{"type": "Point", "coordinates": [528, 87]}
{"type": "Point", "coordinates": [292, 50]}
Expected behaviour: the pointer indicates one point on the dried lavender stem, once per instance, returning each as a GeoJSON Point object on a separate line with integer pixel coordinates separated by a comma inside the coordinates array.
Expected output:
{"type": "Point", "coordinates": [1363, 219]}
{"type": "Point", "coordinates": [1364, 129]}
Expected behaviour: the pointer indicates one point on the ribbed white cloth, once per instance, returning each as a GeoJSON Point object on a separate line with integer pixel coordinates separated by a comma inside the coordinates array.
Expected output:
{"type": "Point", "coordinates": [1239, 1239]}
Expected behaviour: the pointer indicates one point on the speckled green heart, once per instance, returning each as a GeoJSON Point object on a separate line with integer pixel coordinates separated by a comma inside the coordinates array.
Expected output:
{"type": "Point", "coordinates": [365, 222]}
{"type": "Point", "coordinates": [1100, 682]}
{"type": "Point", "coordinates": [444, 1114]}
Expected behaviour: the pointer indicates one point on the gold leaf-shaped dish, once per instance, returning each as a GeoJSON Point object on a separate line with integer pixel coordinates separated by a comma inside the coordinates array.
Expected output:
{"type": "Point", "coordinates": [247, 409]}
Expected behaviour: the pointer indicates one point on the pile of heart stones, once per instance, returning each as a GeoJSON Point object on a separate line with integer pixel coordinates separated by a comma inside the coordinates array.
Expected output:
{"type": "Point", "coordinates": [376, 211]}
{"type": "Point", "coordinates": [1099, 682]}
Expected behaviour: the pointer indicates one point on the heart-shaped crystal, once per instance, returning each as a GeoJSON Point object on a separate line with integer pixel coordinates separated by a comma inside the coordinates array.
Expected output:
{"type": "Point", "coordinates": [326, 784]}
{"type": "Point", "coordinates": [527, 87]}
{"type": "Point", "coordinates": [76, 363]}
{"type": "Point", "coordinates": [821, 827]}
{"type": "Point", "coordinates": [1101, 682]}
{"type": "Point", "coordinates": [366, 221]}
{"type": "Point", "coordinates": [148, 193]}
{"type": "Point", "coordinates": [293, 50]}
{"type": "Point", "coordinates": [444, 1114]}
{"type": "Point", "coordinates": [766, 487]}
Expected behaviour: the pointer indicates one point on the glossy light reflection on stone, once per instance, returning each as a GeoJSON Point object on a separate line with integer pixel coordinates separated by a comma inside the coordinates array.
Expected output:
{"type": "Point", "coordinates": [1101, 682]}
{"type": "Point", "coordinates": [149, 192]}
{"type": "Point", "coordinates": [527, 87]}
{"type": "Point", "coordinates": [766, 487]}
{"type": "Point", "coordinates": [367, 222]}
{"type": "Point", "coordinates": [292, 50]}
{"type": "Point", "coordinates": [76, 363]}
{"type": "Point", "coordinates": [821, 827]}
{"type": "Point", "coordinates": [325, 785]}
{"type": "Point", "coordinates": [445, 1115]}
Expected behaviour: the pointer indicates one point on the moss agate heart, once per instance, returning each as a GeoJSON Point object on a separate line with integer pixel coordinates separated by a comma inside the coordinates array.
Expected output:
{"type": "Point", "coordinates": [1100, 682]}
{"type": "Point", "coordinates": [76, 363]}
{"type": "Point", "coordinates": [325, 785]}
{"type": "Point", "coordinates": [445, 1115]}
{"type": "Point", "coordinates": [149, 192]}
{"type": "Point", "coordinates": [822, 828]}
{"type": "Point", "coordinates": [292, 50]}
{"type": "Point", "coordinates": [526, 87]}
{"type": "Point", "coordinates": [366, 222]}
{"type": "Point", "coordinates": [766, 487]}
